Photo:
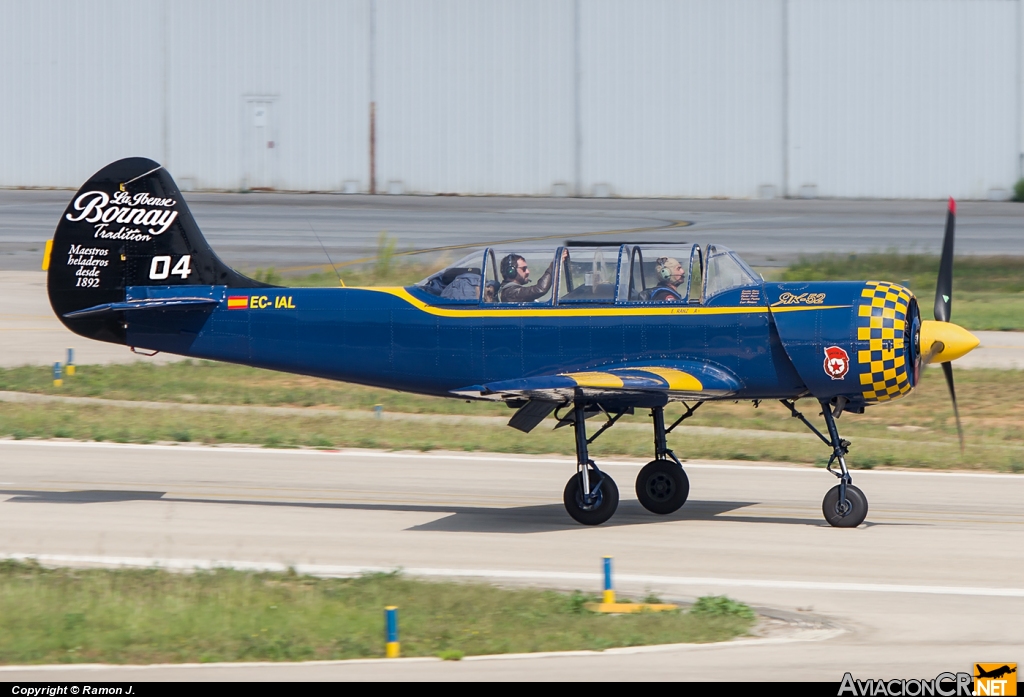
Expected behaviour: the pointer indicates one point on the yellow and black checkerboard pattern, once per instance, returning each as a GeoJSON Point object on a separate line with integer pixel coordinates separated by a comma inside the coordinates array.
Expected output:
{"type": "Point", "coordinates": [881, 321]}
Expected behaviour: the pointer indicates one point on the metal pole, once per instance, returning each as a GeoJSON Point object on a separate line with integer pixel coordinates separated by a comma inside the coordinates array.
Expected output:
{"type": "Point", "coordinates": [373, 96]}
{"type": "Point", "coordinates": [609, 589]}
{"type": "Point", "coordinates": [165, 79]}
{"type": "Point", "coordinates": [1020, 96]}
{"type": "Point", "coordinates": [785, 97]}
{"type": "Point", "coordinates": [576, 103]}
{"type": "Point", "coordinates": [392, 648]}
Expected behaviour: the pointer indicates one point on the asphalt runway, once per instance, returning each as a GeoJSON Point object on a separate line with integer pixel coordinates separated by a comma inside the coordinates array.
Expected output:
{"type": "Point", "coordinates": [251, 231]}
{"type": "Point", "coordinates": [932, 582]}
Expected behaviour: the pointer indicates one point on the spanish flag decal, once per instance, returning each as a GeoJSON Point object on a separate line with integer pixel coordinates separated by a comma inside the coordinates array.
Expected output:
{"type": "Point", "coordinates": [238, 302]}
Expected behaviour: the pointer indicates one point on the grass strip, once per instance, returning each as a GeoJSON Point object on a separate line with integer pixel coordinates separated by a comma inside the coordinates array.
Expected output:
{"type": "Point", "coordinates": [326, 430]}
{"type": "Point", "coordinates": [153, 616]}
{"type": "Point", "coordinates": [918, 430]}
{"type": "Point", "coordinates": [986, 397]}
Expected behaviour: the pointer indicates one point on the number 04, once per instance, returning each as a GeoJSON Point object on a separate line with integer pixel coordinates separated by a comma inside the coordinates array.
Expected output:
{"type": "Point", "coordinates": [160, 268]}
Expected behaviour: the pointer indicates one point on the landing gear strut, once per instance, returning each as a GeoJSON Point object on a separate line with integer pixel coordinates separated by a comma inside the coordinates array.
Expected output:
{"type": "Point", "coordinates": [590, 495]}
{"type": "Point", "coordinates": [844, 506]}
{"type": "Point", "coordinates": [662, 485]}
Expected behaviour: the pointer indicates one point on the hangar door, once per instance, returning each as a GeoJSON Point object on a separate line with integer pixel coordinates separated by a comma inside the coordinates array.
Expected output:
{"type": "Point", "coordinates": [259, 152]}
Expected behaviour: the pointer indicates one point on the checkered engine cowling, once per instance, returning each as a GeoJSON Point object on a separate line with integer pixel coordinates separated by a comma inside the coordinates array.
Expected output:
{"type": "Point", "coordinates": [886, 365]}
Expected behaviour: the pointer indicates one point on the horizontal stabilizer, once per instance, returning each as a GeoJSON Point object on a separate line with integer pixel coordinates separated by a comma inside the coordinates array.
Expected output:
{"type": "Point", "coordinates": [165, 304]}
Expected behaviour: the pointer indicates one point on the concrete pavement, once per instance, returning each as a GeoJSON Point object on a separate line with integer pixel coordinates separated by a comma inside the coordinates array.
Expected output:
{"type": "Point", "coordinates": [932, 582]}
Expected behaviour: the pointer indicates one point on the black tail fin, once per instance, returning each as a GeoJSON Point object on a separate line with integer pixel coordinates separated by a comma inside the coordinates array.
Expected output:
{"type": "Point", "coordinates": [127, 226]}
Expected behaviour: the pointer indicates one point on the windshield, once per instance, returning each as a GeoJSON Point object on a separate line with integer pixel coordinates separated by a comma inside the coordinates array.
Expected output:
{"type": "Point", "coordinates": [588, 275]}
{"type": "Point", "coordinates": [458, 281]}
{"type": "Point", "coordinates": [725, 271]}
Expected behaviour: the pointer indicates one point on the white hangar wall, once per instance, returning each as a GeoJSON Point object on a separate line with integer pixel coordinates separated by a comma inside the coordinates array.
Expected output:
{"type": "Point", "coordinates": [681, 96]}
{"type": "Point", "coordinates": [905, 98]}
{"type": "Point", "coordinates": [302, 64]}
{"type": "Point", "coordinates": [77, 89]}
{"type": "Point", "coordinates": [687, 98]}
{"type": "Point", "coordinates": [474, 97]}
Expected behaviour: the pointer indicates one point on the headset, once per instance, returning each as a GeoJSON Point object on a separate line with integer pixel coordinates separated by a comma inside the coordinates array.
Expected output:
{"type": "Point", "coordinates": [510, 266]}
{"type": "Point", "coordinates": [663, 270]}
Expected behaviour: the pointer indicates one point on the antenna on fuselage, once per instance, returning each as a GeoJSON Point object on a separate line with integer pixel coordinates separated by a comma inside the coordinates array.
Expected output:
{"type": "Point", "coordinates": [325, 253]}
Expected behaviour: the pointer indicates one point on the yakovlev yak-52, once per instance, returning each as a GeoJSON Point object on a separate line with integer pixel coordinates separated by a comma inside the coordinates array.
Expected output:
{"type": "Point", "coordinates": [581, 330]}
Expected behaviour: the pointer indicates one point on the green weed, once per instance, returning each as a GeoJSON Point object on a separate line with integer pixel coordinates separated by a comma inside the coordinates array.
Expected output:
{"type": "Point", "coordinates": [721, 606]}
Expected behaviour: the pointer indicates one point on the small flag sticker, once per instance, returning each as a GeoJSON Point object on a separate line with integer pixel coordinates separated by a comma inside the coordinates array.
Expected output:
{"type": "Point", "coordinates": [238, 302]}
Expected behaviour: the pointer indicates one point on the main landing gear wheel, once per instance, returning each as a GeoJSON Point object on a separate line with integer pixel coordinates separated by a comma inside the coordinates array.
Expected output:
{"type": "Point", "coordinates": [848, 513]}
{"type": "Point", "coordinates": [662, 487]}
{"type": "Point", "coordinates": [606, 499]}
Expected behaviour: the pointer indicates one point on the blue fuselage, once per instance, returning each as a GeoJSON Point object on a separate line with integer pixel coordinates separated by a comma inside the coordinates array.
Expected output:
{"type": "Point", "coordinates": [398, 339]}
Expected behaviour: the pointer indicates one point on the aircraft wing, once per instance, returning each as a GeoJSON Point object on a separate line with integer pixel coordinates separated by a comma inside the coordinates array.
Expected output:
{"type": "Point", "coordinates": [673, 380]}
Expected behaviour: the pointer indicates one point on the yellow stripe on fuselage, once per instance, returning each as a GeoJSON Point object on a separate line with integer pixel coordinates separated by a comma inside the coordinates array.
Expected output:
{"type": "Point", "coordinates": [595, 379]}
{"type": "Point", "coordinates": [676, 379]}
{"type": "Point", "coordinates": [669, 309]}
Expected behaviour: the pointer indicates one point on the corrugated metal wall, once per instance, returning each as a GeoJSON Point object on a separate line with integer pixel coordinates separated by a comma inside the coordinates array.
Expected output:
{"type": "Point", "coordinates": [737, 98]}
{"type": "Point", "coordinates": [475, 97]}
{"type": "Point", "coordinates": [305, 62]}
{"type": "Point", "coordinates": [80, 88]}
{"type": "Point", "coordinates": [681, 97]}
{"type": "Point", "coordinates": [915, 98]}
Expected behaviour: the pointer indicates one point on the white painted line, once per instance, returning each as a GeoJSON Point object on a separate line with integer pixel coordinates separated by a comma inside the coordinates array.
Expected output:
{"type": "Point", "coordinates": [328, 570]}
{"type": "Point", "coordinates": [483, 457]}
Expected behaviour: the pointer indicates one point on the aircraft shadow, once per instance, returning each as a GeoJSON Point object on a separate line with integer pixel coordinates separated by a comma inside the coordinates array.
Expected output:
{"type": "Point", "coordinates": [518, 519]}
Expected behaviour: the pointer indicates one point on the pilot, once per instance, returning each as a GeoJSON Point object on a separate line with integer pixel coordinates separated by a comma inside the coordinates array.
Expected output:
{"type": "Point", "coordinates": [672, 276]}
{"type": "Point", "coordinates": [515, 274]}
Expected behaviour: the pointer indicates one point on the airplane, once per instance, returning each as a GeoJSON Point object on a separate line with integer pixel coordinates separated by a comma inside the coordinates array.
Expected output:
{"type": "Point", "coordinates": [616, 329]}
{"type": "Point", "coordinates": [996, 673]}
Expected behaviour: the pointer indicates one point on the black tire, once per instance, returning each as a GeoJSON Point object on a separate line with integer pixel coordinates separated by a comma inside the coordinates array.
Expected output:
{"type": "Point", "coordinates": [849, 516]}
{"type": "Point", "coordinates": [602, 510]}
{"type": "Point", "coordinates": [662, 487]}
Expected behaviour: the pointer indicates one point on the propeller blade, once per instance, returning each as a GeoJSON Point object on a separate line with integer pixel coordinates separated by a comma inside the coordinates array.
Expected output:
{"type": "Point", "coordinates": [947, 369]}
{"type": "Point", "coordinates": [936, 349]}
{"type": "Point", "coordinates": [944, 286]}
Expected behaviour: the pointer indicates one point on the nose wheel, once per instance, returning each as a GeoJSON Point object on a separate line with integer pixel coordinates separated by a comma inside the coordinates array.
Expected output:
{"type": "Point", "coordinates": [846, 512]}
{"type": "Point", "coordinates": [844, 506]}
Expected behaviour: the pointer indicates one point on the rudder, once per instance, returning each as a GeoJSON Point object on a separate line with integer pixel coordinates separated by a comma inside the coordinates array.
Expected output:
{"type": "Point", "coordinates": [127, 226]}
